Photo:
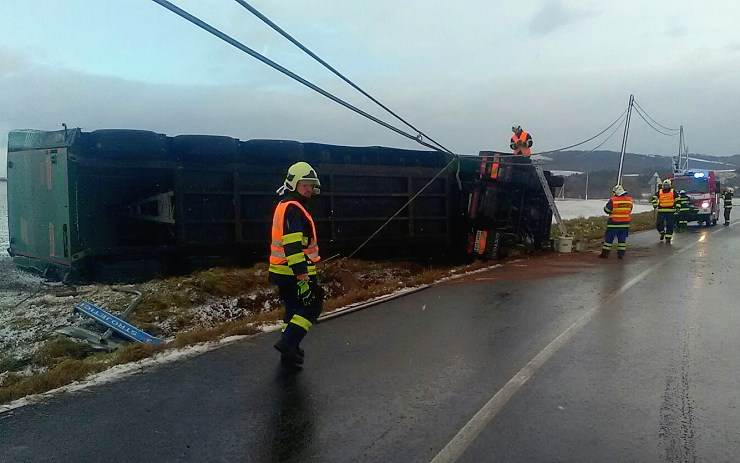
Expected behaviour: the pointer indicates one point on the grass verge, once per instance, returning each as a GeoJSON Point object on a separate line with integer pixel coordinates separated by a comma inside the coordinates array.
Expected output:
{"type": "Point", "coordinates": [593, 228]}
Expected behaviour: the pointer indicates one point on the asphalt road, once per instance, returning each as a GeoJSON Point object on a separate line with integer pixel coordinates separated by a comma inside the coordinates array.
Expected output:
{"type": "Point", "coordinates": [560, 358]}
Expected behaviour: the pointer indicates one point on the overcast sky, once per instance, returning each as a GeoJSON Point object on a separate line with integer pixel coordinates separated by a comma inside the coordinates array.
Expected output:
{"type": "Point", "coordinates": [462, 71]}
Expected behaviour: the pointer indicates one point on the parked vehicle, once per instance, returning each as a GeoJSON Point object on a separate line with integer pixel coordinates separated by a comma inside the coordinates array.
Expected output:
{"type": "Point", "coordinates": [703, 189]}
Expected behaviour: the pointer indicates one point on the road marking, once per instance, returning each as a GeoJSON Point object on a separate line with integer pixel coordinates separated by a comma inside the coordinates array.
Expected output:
{"type": "Point", "coordinates": [470, 431]}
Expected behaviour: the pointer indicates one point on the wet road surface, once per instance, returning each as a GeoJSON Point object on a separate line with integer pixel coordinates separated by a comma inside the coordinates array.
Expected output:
{"type": "Point", "coordinates": [637, 360]}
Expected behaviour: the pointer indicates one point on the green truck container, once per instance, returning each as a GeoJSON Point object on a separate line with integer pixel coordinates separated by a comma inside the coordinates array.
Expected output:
{"type": "Point", "coordinates": [62, 195]}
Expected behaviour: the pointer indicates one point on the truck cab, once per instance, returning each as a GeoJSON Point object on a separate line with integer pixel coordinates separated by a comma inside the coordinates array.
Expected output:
{"type": "Point", "coordinates": [703, 189]}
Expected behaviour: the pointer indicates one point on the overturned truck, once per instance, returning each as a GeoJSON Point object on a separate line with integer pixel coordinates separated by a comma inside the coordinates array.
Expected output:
{"type": "Point", "coordinates": [96, 204]}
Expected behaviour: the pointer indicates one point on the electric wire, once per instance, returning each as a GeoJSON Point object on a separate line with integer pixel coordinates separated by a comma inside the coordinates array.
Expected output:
{"type": "Point", "coordinates": [313, 55]}
{"type": "Point", "coordinates": [235, 43]}
{"type": "Point", "coordinates": [639, 113]}
{"type": "Point", "coordinates": [616, 129]}
{"type": "Point", "coordinates": [652, 119]}
{"type": "Point", "coordinates": [586, 140]}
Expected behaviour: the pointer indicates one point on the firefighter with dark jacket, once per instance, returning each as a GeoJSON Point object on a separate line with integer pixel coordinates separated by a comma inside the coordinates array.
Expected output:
{"type": "Point", "coordinates": [683, 212]}
{"type": "Point", "coordinates": [294, 253]}
{"type": "Point", "coordinates": [619, 208]}
{"type": "Point", "coordinates": [666, 204]}
{"type": "Point", "coordinates": [521, 141]}
{"type": "Point", "coordinates": [727, 200]}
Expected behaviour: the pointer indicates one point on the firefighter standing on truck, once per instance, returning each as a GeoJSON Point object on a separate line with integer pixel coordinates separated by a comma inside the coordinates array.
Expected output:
{"type": "Point", "coordinates": [619, 208]}
{"type": "Point", "coordinates": [665, 202]}
{"type": "Point", "coordinates": [521, 141]}
{"type": "Point", "coordinates": [294, 252]}
{"type": "Point", "coordinates": [727, 200]}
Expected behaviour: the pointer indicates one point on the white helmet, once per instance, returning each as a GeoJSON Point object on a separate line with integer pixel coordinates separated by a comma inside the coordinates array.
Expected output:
{"type": "Point", "coordinates": [618, 190]}
{"type": "Point", "coordinates": [296, 173]}
{"type": "Point", "coordinates": [731, 190]}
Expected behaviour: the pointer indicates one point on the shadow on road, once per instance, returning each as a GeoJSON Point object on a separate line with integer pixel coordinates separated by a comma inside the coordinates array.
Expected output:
{"type": "Point", "coordinates": [293, 424]}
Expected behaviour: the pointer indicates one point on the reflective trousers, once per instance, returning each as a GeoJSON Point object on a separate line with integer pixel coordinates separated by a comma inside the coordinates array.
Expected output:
{"type": "Point", "coordinates": [664, 224]}
{"type": "Point", "coordinates": [620, 234]}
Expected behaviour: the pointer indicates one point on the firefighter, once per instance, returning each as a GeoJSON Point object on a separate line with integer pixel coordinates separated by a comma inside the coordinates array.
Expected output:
{"type": "Point", "coordinates": [294, 253]}
{"type": "Point", "coordinates": [684, 209]}
{"type": "Point", "coordinates": [521, 141]}
{"type": "Point", "coordinates": [665, 202]}
{"type": "Point", "coordinates": [619, 208]}
{"type": "Point", "coordinates": [727, 199]}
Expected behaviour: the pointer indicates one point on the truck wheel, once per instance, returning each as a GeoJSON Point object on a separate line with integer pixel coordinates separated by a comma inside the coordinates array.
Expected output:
{"type": "Point", "coordinates": [495, 247]}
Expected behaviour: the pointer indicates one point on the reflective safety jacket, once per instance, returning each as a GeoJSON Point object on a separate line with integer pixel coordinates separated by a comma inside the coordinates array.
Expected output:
{"type": "Point", "coordinates": [619, 209]}
{"type": "Point", "coordinates": [683, 204]}
{"type": "Point", "coordinates": [727, 197]}
{"type": "Point", "coordinates": [294, 249]}
{"type": "Point", "coordinates": [665, 201]}
{"type": "Point", "coordinates": [526, 140]}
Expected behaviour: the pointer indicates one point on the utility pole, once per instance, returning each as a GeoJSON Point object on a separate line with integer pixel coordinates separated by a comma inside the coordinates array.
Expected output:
{"type": "Point", "coordinates": [624, 139]}
{"type": "Point", "coordinates": [683, 157]}
{"type": "Point", "coordinates": [586, 184]}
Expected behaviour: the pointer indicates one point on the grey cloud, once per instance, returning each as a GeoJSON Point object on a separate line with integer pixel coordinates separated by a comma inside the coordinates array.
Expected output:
{"type": "Point", "coordinates": [554, 15]}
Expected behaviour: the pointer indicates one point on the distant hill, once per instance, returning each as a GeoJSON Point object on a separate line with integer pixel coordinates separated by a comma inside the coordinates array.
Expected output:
{"type": "Point", "coordinates": [592, 161]}
{"type": "Point", "coordinates": [638, 170]}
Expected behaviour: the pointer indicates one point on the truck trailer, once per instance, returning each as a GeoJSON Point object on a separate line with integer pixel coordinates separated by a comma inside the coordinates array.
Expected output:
{"type": "Point", "coordinates": [87, 204]}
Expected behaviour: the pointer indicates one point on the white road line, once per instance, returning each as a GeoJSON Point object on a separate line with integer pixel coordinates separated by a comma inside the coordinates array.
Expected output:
{"type": "Point", "coordinates": [468, 433]}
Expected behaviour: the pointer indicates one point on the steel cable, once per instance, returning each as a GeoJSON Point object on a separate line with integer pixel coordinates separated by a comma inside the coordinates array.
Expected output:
{"type": "Point", "coordinates": [584, 141]}
{"type": "Point", "coordinates": [313, 55]}
{"type": "Point", "coordinates": [639, 113]}
{"type": "Point", "coordinates": [236, 44]}
{"type": "Point", "coordinates": [652, 119]}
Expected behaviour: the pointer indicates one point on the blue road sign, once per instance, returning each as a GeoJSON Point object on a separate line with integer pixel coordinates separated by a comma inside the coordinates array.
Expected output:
{"type": "Point", "coordinates": [116, 324]}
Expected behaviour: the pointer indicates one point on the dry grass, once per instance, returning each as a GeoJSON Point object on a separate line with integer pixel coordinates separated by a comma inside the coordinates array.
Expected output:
{"type": "Point", "coordinates": [65, 372]}
{"type": "Point", "coordinates": [593, 228]}
{"type": "Point", "coordinates": [58, 349]}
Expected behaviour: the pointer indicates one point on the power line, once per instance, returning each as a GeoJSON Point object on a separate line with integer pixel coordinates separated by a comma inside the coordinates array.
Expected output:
{"type": "Point", "coordinates": [236, 44]}
{"type": "Point", "coordinates": [616, 129]}
{"type": "Point", "coordinates": [639, 113]}
{"type": "Point", "coordinates": [313, 55]}
{"type": "Point", "coordinates": [586, 140]}
{"type": "Point", "coordinates": [656, 122]}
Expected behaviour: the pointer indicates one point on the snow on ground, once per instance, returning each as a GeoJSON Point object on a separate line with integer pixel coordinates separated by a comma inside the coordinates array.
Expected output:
{"type": "Point", "coordinates": [574, 208]}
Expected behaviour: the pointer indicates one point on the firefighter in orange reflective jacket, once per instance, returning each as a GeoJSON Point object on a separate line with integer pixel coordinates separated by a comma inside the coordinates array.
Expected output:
{"type": "Point", "coordinates": [665, 201]}
{"type": "Point", "coordinates": [294, 252]}
{"type": "Point", "coordinates": [619, 208]}
{"type": "Point", "coordinates": [521, 141]}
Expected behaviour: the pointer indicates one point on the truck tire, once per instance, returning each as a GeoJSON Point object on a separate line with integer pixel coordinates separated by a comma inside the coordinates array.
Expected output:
{"type": "Point", "coordinates": [494, 250]}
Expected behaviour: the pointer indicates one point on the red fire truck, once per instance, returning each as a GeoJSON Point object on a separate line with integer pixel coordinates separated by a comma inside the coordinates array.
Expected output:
{"type": "Point", "coordinates": [703, 189]}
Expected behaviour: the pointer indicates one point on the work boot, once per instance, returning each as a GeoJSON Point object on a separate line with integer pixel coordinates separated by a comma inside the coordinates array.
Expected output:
{"type": "Point", "coordinates": [620, 255]}
{"type": "Point", "coordinates": [291, 354]}
{"type": "Point", "coordinates": [662, 236]}
{"type": "Point", "coordinates": [604, 254]}
{"type": "Point", "coordinates": [727, 223]}
{"type": "Point", "coordinates": [667, 241]}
